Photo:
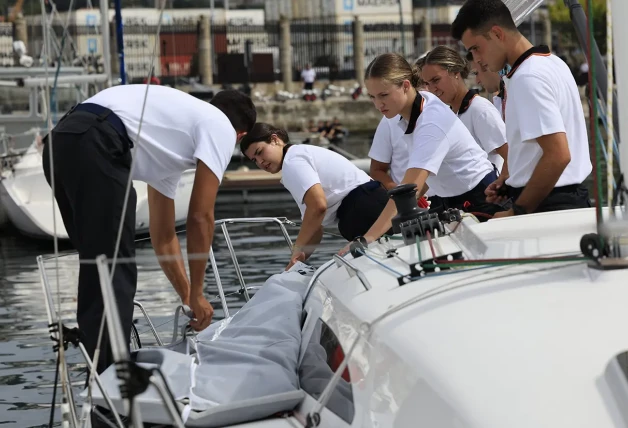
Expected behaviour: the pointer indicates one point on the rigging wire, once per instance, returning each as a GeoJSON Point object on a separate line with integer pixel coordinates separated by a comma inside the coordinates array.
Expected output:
{"type": "Point", "coordinates": [593, 122]}
{"type": "Point", "coordinates": [610, 179]}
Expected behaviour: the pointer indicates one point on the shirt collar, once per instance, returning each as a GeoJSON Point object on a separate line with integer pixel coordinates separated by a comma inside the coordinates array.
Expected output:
{"type": "Point", "coordinates": [417, 109]}
{"type": "Point", "coordinates": [466, 101]}
{"type": "Point", "coordinates": [502, 89]}
{"type": "Point", "coordinates": [541, 50]}
{"type": "Point", "coordinates": [285, 150]}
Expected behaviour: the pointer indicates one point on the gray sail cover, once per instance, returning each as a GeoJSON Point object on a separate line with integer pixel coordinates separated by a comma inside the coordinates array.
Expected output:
{"type": "Point", "coordinates": [521, 9]}
{"type": "Point", "coordinates": [239, 369]}
{"type": "Point", "coordinates": [254, 353]}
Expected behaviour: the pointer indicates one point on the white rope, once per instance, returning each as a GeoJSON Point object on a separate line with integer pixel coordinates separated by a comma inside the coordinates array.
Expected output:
{"type": "Point", "coordinates": [609, 106]}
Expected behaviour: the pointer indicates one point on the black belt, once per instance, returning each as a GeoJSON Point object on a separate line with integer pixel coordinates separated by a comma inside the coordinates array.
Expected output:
{"type": "Point", "coordinates": [104, 114]}
{"type": "Point", "coordinates": [370, 185]}
{"type": "Point", "coordinates": [514, 192]}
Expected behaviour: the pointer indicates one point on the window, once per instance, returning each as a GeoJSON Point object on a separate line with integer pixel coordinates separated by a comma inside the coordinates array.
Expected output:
{"type": "Point", "coordinates": [321, 359]}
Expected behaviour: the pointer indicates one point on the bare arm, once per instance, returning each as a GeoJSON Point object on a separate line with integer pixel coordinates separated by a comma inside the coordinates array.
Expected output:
{"type": "Point", "coordinates": [311, 228]}
{"type": "Point", "coordinates": [166, 243]}
{"type": "Point", "coordinates": [503, 152]}
{"type": "Point", "coordinates": [384, 222]}
{"type": "Point", "coordinates": [379, 171]}
{"type": "Point", "coordinates": [200, 233]}
{"type": "Point", "coordinates": [555, 158]}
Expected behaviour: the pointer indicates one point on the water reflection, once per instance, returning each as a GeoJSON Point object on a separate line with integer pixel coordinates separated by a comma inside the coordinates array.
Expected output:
{"type": "Point", "coordinates": [27, 362]}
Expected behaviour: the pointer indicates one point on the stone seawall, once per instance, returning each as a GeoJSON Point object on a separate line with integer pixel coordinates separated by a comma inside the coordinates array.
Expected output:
{"type": "Point", "coordinates": [356, 115]}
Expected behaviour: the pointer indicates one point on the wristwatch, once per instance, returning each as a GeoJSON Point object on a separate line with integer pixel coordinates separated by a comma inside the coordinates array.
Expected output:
{"type": "Point", "coordinates": [518, 210]}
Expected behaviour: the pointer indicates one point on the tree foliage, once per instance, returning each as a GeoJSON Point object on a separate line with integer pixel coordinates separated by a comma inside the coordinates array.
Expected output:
{"type": "Point", "coordinates": [559, 13]}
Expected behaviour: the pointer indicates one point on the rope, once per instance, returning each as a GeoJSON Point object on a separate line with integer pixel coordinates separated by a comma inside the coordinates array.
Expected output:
{"type": "Point", "coordinates": [379, 263]}
{"type": "Point", "coordinates": [593, 118]}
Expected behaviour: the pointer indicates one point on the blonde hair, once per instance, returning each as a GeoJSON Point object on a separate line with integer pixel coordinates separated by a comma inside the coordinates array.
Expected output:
{"type": "Point", "coordinates": [447, 58]}
{"type": "Point", "coordinates": [393, 68]}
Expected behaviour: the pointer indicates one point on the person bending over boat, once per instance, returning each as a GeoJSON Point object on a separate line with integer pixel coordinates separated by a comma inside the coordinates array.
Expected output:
{"type": "Point", "coordinates": [326, 186]}
{"type": "Point", "coordinates": [548, 156]}
{"type": "Point", "coordinates": [93, 147]}
{"type": "Point", "coordinates": [442, 152]}
{"type": "Point", "coordinates": [445, 71]}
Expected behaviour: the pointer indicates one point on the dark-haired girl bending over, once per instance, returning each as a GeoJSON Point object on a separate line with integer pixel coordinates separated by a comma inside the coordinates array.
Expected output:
{"type": "Point", "coordinates": [326, 186]}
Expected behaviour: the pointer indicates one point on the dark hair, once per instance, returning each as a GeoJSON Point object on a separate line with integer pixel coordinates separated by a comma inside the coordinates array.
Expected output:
{"type": "Point", "coordinates": [480, 15]}
{"type": "Point", "coordinates": [238, 107]}
{"type": "Point", "coordinates": [261, 132]}
{"type": "Point", "coordinates": [447, 58]}
{"type": "Point", "coordinates": [393, 68]}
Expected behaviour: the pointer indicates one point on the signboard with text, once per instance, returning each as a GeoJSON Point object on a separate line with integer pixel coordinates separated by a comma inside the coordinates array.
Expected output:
{"type": "Point", "coordinates": [370, 7]}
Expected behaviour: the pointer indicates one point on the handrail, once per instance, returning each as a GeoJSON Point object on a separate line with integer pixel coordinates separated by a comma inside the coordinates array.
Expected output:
{"type": "Point", "coordinates": [280, 221]}
{"type": "Point", "coordinates": [365, 283]}
{"type": "Point", "coordinates": [315, 277]}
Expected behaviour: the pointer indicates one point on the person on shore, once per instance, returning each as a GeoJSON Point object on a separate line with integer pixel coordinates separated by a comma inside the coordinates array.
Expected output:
{"type": "Point", "coordinates": [443, 153]}
{"type": "Point", "coordinates": [151, 134]}
{"type": "Point", "coordinates": [308, 75]}
{"type": "Point", "coordinates": [326, 186]}
{"type": "Point", "coordinates": [445, 71]}
{"type": "Point", "coordinates": [548, 157]}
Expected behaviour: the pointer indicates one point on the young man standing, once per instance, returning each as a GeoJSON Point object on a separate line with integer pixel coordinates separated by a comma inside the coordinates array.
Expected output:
{"type": "Point", "coordinates": [93, 147]}
{"type": "Point", "coordinates": [548, 157]}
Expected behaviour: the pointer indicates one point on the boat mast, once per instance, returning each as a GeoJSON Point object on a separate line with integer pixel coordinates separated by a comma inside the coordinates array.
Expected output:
{"type": "Point", "coordinates": [120, 40]}
{"type": "Point", "coordinates": [579, 21]}
{"type": "Point", "coordinates": [620, 33]}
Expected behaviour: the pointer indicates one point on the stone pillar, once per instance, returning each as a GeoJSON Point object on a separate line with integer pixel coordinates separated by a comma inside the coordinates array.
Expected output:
{"type": "Point", "coordinates": [427, 33]}
{"type": "Point", "coordinates": [20, 29]}
{"type": "Point", "coordinates": [205, 52]}
{"type": "Point", "coordinates": [358, 50]}
{"type": "Point", "coordinates": [20, 32]}
{"type": "Point", "coordinates": [285, 52]}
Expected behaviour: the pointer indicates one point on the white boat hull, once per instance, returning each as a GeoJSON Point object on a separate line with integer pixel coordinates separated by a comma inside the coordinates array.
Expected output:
{"type": "Point", "coordinates": [27, 200]}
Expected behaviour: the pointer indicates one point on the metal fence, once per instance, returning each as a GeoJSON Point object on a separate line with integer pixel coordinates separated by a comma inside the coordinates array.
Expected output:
{"type": "Point", "coordinates": [240, 54]}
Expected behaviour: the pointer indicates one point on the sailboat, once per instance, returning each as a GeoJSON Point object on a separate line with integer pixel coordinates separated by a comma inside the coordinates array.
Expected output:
{"type": "Point", "coordinates": [516, 322]}
{"type": "Point", "coordinates": [25, 196]}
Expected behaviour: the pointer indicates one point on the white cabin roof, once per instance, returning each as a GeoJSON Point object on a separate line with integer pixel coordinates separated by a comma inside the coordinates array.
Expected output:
{"type": "Point", "coordinates": [517, 346]}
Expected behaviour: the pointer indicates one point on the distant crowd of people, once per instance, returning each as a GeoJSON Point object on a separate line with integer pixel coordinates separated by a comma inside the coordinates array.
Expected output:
{"type": "Point", "coordinates": [330, 129]}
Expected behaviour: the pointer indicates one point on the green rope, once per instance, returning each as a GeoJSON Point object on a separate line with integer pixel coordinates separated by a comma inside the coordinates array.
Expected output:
{"type": "Point", "coordinates": [418, 249]}
{"type": "Point", "coordinates": [504, 262]}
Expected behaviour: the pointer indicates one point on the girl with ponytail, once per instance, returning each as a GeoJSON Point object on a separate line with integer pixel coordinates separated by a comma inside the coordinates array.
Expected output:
{"type": "Point", "coordinates": [444, 72]}
{"type": "Point", "coordinates": [442, 154]}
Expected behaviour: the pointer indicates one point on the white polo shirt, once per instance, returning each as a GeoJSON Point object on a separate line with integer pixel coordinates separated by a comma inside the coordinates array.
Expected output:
{"type": "Point", "coordinates": [177, 131]}
{"type": "Point", "coordinates": [443, 146]}
{"type": "Point", "coordinates": [485, 124]}
{"type": "Point", "coordinates": [308, 76]}
{"type": "Point", "coordinates": [305, 165]}
{"type": "Point", "coordinates": [543, 99]}
{"type": "Point", "coordinates": [390, 145]}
